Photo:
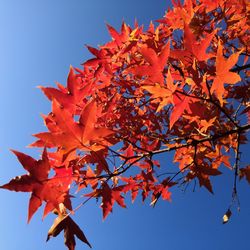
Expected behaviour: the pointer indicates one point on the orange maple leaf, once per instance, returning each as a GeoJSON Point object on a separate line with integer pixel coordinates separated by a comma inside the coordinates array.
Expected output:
{"type": "Point", "coordinates": [164, 95]}
{"type": "Point", "coordinates": [71, 135]}
{"type": "Point", "coordinates": [223, 73]}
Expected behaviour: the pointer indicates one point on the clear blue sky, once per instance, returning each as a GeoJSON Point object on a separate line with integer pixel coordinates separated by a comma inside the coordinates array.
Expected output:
{"type": "Point", "coordinates": [40, 39]}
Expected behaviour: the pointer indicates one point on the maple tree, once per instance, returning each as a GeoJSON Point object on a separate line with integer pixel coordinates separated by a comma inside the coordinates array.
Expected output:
{"type": "Point", "coordinates": [180, 86]}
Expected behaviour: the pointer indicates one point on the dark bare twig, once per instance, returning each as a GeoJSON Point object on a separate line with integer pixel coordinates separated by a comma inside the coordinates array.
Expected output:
{"type": "Point", "coordinates": [236, 171]}
{"type": "Point", "coordinates": [239, 68]}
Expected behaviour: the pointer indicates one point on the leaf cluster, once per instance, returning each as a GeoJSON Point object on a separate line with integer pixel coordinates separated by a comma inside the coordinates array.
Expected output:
{"type": "Point", "coordinates": [182, 85]}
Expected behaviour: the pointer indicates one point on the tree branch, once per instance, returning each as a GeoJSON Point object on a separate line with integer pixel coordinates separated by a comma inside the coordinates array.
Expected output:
{"type": "Point", "coordinates": [239, 68]}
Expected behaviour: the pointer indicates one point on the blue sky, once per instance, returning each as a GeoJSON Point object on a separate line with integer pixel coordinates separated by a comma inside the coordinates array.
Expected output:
{"type": "Point", "coordinates": [39, 41]}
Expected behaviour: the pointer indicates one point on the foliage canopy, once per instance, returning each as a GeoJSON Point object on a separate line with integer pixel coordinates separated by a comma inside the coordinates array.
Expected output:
{"type": "Point", "coordinates": [182, 85]}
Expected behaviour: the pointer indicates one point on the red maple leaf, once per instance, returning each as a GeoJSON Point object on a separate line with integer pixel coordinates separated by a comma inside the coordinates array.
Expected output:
{"type": "Point", "coordinates": [154, 64]}
{"type": "Point", "coordinates": [109, 197]}
{"type": "Point", "coordinates": [192, 47]}
{"type": "Point", "coordinates": [71, 97]}
{"type": "Point", "coordinates": [245, 172]}
{"type": "Point", "coordinates": [37, 182]}
{"type": "Point", "coordinates": [181, 103]}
